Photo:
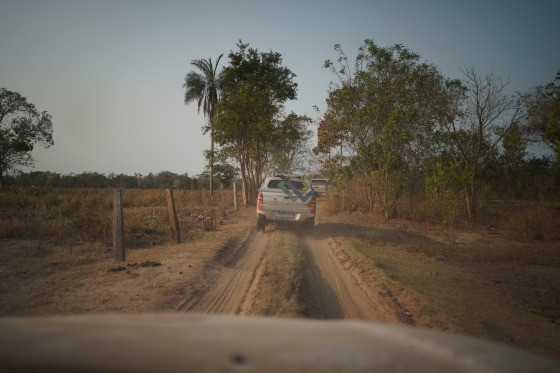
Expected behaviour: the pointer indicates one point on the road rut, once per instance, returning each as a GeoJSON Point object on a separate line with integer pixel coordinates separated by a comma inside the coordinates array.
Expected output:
{"type": "Point", "coordinates": [331, 290]}
{"type": "Point", "coordinates": [231, 287]}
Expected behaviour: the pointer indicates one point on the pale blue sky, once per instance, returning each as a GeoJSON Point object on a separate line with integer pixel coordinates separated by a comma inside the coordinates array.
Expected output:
{"type": "Point", "coordinates": [111, 72]}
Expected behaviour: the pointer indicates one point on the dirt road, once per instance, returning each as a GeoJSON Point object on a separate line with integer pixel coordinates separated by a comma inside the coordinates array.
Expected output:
{"type": "Point", "coordinates": [330, 290]}
{"type": "Point", "coordinates": [228, 287]}
{"type": "Point", "coordinates": [336, 290]}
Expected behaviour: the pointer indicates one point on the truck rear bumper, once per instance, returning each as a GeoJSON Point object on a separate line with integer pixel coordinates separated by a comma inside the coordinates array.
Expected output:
{"type": "Point", "coordinates": [282, 216]}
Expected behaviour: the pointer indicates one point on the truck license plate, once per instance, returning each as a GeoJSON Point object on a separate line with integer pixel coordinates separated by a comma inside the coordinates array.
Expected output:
{"type": "Point", "coordinates": [284, 215]}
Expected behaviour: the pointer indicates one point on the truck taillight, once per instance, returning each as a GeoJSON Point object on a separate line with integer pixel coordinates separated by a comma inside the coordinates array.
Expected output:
{"type": "Point", "coordinates": [312, 205]}
{"type": "Point", "coordinates": [260, 201]}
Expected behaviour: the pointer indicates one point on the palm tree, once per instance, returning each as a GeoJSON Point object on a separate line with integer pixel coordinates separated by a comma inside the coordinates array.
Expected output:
{"type": "Point", "coordinates": [205, 86]}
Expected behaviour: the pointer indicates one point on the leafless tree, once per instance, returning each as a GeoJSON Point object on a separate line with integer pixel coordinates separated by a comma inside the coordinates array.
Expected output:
{"type": "Point", "coordinates": [480, 113]}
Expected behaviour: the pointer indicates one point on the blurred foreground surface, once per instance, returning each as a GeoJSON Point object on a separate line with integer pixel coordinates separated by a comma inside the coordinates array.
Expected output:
{"type": "Point", "coordinates": [188, 342]}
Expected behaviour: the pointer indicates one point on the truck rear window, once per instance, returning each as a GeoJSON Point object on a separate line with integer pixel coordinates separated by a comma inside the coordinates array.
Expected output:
{"type": "Point", "coordinates": [273, 184]}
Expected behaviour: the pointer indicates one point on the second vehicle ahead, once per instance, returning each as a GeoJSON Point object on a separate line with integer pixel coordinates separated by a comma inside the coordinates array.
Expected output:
{"type": "Point", "coordinates": [286, 199]}
{"type": "Point", "coordinates": [321, 186]}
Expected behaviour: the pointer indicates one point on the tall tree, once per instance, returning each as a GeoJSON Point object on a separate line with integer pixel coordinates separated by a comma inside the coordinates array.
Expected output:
{"type": "Point", "coordinates": [21, 128]}
{"type": "Point", "coordinates": [479, 114]}
{"type": "Point", "coordinates": [292, 152]}
{"type": "Point", "coordinates": [503, 170]}
{"type": "Point", "coordinates": [543, 114]}
{"type": "Point", "coordinates": [382, 113]}
{"type": "Point", "coordinates": [256, 87]}
{"type": "Point", "coordinates": [205, 87]}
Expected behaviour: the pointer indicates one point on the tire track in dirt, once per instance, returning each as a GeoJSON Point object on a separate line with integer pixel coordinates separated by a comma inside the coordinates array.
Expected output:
{"type": "Point", "coordinates": [343, 293]}
{"type": "Point", "coordinates": [319, 299]}
{"type": "Point", "coordinates": [331, 289]}
{"type": "Point", "coordinates": [230, 287]}
{"type": "Point", "coordinates": [329, 278]}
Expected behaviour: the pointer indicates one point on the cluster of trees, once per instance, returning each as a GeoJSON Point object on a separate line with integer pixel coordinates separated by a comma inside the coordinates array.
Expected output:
{"type": "Point", "coordinates": [165, 179]}
{"type": "Point", "coordinates": [393, 124]}
{"type": "Point", "coordinates": [396, 125]}
{"type": "Point", "coordinates": [22, 127]}
{"type": "Point", "coordinates": [244, 104]}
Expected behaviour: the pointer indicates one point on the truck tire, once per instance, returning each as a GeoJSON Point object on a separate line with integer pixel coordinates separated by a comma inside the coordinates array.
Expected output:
{"type": "Point", "coordinates": [261, 223]}
{"type": "Point", "coordinates": [310, 226]}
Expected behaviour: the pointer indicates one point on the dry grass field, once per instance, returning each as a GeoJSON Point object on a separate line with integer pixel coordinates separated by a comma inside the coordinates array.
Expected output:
{"type": "Point", "coordinates": [86, 215]}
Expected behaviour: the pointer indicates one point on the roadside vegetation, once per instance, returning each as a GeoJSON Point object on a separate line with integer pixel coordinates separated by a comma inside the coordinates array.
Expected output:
{"type": "Point", "coordinates": [86, 215]}
{"type": "Point", "coordinates": [400, 139]}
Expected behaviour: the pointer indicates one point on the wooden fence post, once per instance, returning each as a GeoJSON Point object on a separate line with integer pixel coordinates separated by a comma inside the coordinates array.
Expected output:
{"type": "Point", "coordinates": [173, 221]}
{"type": "Point", "coordinates": [222, 201]}
{"type": "Point", "coordinates": [205, 204]}
{"type": "Point", "coordinates": [118, 227]}
{"type": "Point", "coordinates": [235, 203]}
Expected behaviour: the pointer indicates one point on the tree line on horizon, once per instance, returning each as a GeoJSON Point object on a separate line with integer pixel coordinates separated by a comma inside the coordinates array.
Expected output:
{"type": "Point", "coordinates": [161, 180]}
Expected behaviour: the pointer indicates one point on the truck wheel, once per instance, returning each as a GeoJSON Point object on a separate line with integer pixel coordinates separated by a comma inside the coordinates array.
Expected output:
{"type": "Point", "coordinates": [310, 227]}
{"type": "Point", "coordinates": [261, 222]}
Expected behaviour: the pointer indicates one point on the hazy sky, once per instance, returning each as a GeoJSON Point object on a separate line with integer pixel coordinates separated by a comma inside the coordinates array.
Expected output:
{"type": "Point", "coordinates": [111, 72]}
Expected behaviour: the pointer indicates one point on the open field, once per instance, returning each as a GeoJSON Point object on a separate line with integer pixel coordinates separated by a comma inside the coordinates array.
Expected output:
{"type": "Point", "coordinates": [481, 283]}
{"type": "Point", "coordinates": [86, 215]}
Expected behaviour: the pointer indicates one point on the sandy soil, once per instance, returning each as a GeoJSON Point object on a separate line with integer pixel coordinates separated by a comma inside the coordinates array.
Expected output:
{"type": "Point", "coordinates": [44, 278]}
{"type": "Point", "coordinates": [330, 290]}
{"type": "Point", "coordinates": [229, 286]}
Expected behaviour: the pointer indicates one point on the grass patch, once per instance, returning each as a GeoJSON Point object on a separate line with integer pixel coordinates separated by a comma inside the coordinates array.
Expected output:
{"type": "Point", "coordinates": [462, 298]}
{"type": "Point", "coordinates": [534, 223]}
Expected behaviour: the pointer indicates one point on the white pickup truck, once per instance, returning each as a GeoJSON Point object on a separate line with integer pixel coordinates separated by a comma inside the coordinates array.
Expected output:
{"type": "Point", "coordinates": [286, 199]}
